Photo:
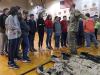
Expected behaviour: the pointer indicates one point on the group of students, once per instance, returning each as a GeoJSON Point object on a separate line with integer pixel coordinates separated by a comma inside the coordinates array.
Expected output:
{"type": "Point", "coordinates": [16, 30]}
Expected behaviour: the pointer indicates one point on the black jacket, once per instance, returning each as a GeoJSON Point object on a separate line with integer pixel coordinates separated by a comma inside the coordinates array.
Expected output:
{"type": "Point", "coordinates": [40, 27]}
{"type": "Point", "coordinates": [24, 28]}
{"type": "Point", "coordinates": [2, 20]}
{"type": "Point", "coordinates": [32, 25]}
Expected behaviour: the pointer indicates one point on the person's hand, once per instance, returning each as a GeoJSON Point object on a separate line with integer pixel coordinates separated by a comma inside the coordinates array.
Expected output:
{"type": "Point", "coordinates": [15, 31]}
{"type": "Point", "coordinates": [90, 20]}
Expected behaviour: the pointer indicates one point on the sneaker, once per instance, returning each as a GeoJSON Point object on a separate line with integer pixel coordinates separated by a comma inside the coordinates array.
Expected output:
{"type": "Point", "coordinates": [14, 66]}
{"type": "Point", "coordinates": [58, 48]}
{"type": "Point", "coordinates": [9, 63]}
{"type": "Point", "coordinates": [62, 47]}
{"type": "Point", "coordinates": [2, 53]}
{"type": "Point", "coordinates": [48, 48]}
{"type": "Point", "coordinates": [6, 54]}
{"type": "Point", "coordinates": [96, 46]}
{"type": "Point", "coordinates": [28, 51]}
{"type": "Point", "coordinates": [42, 49]}
{"type": "Point", "coordinates": [87, 47]}
{"type": "Point", "coordinates": [51, 48]}
{"type": "Point", "coordinates": [18, 59]}
{"type": "Point", "coordinates": [26, 61]}
{"type": "Point", "coordinates": [34, 49]}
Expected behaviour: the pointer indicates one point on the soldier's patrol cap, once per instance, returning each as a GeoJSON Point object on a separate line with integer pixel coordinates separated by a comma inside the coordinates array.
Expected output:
{"type": "Point", "coordinates": [73, 4]}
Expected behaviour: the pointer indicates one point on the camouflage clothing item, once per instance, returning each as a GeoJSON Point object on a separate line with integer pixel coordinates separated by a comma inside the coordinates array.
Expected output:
{"type": "Point", "coordinates": [75, 66]}
{"type": "Point", "coordinates": [72, 41]}
{"type": "Point", "coordinates": [73, 28]}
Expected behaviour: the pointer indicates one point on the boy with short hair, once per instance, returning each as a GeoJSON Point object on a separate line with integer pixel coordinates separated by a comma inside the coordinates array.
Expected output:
{"type": "Point", "coordinates": [57, 32]}
{"type": "Point", "coordinates": [32, 25]}
{"type": "Point", "coordinates": [3, 36]}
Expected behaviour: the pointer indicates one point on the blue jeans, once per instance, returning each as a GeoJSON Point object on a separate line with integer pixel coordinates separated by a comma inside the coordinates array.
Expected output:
{"type": "Point", "coordinates": [91, 36]}
{"type": "Point", "coordinates": [19, 40]}
{"type": "Point", "coordinates": [25, 46]}
{"type": "Point", "coordinates": [63, 38]}
{"type": "Point", "coordinates": [12, 48]}
{"type": "Point", "coordinates": [57, 40]}
{"type": "Point", "coordinates": [49, 36]}
{"type": "Point", "coordinates": [31, 39]}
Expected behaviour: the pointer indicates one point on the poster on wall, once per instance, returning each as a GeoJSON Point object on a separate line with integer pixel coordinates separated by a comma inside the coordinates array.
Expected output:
{"type": "Point", "coordinates": [84, 8]}
{"type": "Point", "coordinates": [92, 8]}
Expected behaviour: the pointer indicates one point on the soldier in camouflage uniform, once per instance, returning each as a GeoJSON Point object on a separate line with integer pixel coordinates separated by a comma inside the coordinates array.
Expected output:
{"type": "Point", "coordinates": [75, 15]}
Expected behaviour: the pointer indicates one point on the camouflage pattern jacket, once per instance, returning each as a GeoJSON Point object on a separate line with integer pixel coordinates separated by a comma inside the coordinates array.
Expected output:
{"type": "Point", "coordinates": [75, 15]}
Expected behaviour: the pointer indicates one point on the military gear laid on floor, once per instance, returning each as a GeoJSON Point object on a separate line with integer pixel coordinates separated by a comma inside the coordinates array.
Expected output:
{"type": "Point", "coordinates": [76, 65]}
{"type": "Point", "coordinates": [90, 57]}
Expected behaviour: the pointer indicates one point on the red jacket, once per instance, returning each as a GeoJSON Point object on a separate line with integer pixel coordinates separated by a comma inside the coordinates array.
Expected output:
{"type": "Point", "coordinates": [49, 24]}
{"type": "Point", "coordinates": [64, 26]}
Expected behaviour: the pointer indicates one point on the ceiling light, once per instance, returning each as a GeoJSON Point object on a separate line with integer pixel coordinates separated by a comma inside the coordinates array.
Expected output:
{"type": "Point", "coordinates": [31, 3]}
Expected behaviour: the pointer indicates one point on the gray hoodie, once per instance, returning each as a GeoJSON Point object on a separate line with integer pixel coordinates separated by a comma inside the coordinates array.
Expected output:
{"type": "Point", "coordinates": [57, 28]}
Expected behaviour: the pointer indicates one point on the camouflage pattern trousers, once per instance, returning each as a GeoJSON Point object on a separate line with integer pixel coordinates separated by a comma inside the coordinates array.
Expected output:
{"type": "Point", "coordinates": [72, 41]}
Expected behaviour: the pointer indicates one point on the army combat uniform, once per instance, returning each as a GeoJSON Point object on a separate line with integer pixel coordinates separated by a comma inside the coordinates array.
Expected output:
{"type": "Point", "coordinates": [73, 29]}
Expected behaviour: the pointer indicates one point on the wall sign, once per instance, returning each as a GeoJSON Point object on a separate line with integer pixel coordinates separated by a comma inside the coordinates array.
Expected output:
{"type": "Point", "coordinates": [92, 8]}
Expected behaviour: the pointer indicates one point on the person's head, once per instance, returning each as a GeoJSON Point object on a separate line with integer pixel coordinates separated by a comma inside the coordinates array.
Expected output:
{"type": "Point", "coordinates": [72, 6]}
{"type": "Point", "coordinates": [19, 9]}
{"type": "Point", "coordinates": [19, 16]}
{"type": "Point", "coordinates": [13, 11]}
{"type": "Point", "coordinates": [6, 11]}
{"type": "Point", "coordinates": [56, 18]}
{"type": "Point", "coordinates": [40, 15]}
{"type": "Point", "coordinates": [32, 16]}
{"type": "Point", "coordinates": [64, 18]}
{"type": "Point", "coordinates": [25, 13]}
{"type": "Point", "coordinates": [87, 14]}
{"type": "Point", "coordinates": [49, 17]}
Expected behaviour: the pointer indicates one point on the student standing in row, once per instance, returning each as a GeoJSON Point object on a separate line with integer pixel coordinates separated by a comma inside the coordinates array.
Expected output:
{"type": "Point", "coordinates": [64, 25]}
{"type": "Point", "coordinates": [49, 30]}
{"type": "Point", "coordinates": [40, 27]}
{"type": "Point", "coordinates": [3, 36]}
{"type": "Point", "coordinates": [14, 32]}
{"type": "Point", "coordinates": [25, 41]}
{"type": "Point", "coordinates": [57, 32]}
{"type": "Point", "coordinates": [32, 25]}
{"type": "Point", "coordinates": [17, 54]}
